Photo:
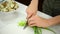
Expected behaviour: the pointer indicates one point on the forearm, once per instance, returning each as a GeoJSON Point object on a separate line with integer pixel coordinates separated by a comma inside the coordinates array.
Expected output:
{"type": "Point", "coordinates": [55, 20]}
{"type": "Point", "coordinates": [34, 5]}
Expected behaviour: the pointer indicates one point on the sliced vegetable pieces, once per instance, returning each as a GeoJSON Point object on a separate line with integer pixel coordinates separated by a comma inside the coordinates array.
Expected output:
{"type": "Point", "coordinates": [22, 23]}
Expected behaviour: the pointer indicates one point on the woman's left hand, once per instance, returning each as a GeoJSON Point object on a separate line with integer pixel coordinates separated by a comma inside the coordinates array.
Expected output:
{"type": "Point", "coordinates": [38, 21]}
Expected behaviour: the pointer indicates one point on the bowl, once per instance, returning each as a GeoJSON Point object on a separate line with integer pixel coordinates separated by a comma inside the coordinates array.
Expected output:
{"type": "Point", "coordinates": [9, 15]}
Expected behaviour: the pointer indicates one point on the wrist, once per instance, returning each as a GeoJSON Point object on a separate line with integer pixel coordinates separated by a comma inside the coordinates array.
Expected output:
{"type": "Point", "coordinates": [55, 20]}
{"type": "Point", "coordinates": [52, 22]}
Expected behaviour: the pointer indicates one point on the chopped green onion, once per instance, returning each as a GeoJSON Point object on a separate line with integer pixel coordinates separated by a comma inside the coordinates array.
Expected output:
{"type": "Point", "coordinates": [22, 23]}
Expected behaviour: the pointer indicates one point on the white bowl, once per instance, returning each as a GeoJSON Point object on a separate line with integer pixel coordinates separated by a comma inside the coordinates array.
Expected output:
{"type": "Point", "coordinates": [9, 15]}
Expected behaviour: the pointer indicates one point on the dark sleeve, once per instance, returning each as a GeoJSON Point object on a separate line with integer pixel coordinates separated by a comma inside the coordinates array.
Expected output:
{"type": "Point", "coordinates": [49, 8]}
{"type": "Point", "coordinates": [46, 6]}
{"type": "Point", "coordinates": [56, 10]}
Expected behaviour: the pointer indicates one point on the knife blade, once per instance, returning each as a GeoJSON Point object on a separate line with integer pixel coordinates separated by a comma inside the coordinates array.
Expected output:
{"type": "Point", "coordinates": [27, 22]}
{"type": "Point", "coordinates": [26, 25]}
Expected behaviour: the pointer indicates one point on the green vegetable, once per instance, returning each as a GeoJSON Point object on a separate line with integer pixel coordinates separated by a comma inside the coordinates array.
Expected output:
{"type": "Point", "coordinates": [50, 30]}
{"type": "Point", "coordinates": [40, 30]}
{"type": "Point", "coordinates": [22, 23]}
{"type": "Point", "coordinates": [37, 30]}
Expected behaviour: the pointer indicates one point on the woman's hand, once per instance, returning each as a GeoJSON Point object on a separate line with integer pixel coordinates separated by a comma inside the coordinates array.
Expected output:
{"type": "Point", "coordinates": [41, 22]}
{"type": "Point", "coordinates": [38, 21]}
{"type": "Point", "coordinates": [30, 11]}
{"type": "Point", "coordinates": [32, 8]}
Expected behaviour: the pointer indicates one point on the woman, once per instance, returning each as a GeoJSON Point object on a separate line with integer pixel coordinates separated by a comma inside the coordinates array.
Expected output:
{"type": "Point", "coordinates": [50, 7]}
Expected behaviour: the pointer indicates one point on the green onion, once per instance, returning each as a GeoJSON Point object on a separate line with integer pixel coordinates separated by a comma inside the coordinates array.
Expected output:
{"type": "Point", "coordinates": [50, 30]}
{"type": "Point", "coordinates": [40, 30]}
{"type": "Point", "coordinates": [22, 23]}
{"type": "Point", "coordinates": [37, 30]}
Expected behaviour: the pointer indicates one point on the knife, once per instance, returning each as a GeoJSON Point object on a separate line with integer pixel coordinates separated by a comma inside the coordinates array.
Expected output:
{"type": "Point", "coordinates": [26, 25]}
{"type": "Point", "coordinates": [27, 22]}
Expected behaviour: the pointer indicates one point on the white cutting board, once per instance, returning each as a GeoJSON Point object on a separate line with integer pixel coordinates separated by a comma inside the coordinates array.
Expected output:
{"type": "Point", "coordinates": [11, 26]}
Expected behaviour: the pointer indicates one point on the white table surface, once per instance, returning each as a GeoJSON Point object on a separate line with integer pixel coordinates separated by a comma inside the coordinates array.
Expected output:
{"type": "Point", "coordinates": [11, 26]}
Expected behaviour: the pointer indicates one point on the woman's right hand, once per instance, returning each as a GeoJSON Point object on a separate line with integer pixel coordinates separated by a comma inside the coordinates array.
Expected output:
{"type": "Point", "coordinates": [32, 8]}
{"type": "Point", "coordinates": [30, 11]}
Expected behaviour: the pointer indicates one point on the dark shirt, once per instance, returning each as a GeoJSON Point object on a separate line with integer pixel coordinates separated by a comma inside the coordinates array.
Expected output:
{"type": "Point", "coordinates": [51, 7]}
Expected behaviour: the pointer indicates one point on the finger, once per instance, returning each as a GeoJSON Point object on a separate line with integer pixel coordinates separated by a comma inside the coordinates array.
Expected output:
{"type": "Point", "coordinates": [30, 21]}
{"type": "Point", "coordinates": [32, 24]}
{"type": "Point", "coordinates": [29, 15]}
